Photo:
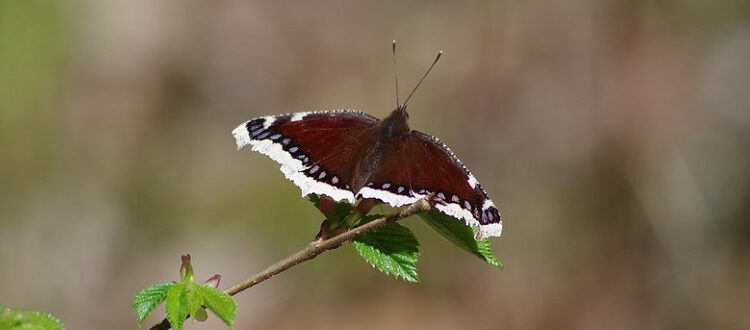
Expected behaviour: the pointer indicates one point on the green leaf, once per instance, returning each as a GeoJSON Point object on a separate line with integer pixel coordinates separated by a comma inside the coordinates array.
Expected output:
{"type": "Point", "coordinates": [461, 235]}
{"type": "Point", "coordinates": [195, 299]}
{"type": "Point", "coordinates": [392, 249]}
{"type": "Point", "coordinates": [27, 320]}
{"type": "Point", "coordinates": [177, 305]}
{"type": "Point", "coordinates": [313, 198]}
{"type": "Point", "coordinates": [343, 210]}
{"type": "Point", "coordinates": [148, 298]}
{"type": "Point", "coordinates": [219, 302]}
{"type": "Point", "coordinates": [339, 214]}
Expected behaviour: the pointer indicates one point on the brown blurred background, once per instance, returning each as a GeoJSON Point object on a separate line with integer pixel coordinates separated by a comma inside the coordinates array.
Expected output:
{"type": "Point", "coordinates": [614, 136]}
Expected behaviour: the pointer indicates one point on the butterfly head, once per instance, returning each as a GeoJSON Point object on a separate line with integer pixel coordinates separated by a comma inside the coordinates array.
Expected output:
{"type": "Point", "coordinates": [396, 123]}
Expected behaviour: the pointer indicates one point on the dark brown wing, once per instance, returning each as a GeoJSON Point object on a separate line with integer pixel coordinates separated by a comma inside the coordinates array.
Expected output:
{"type": "Point", "coordinates": [316, 150]}
{"type": "Point", "coordinates": [420, 164]}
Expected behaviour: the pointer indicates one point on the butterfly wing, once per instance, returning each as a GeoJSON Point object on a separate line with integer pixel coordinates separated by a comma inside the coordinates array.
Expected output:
{"type": "Point", "coordinates": [418, 165]}
{"type": "Point", "coordinates": [317, 150]}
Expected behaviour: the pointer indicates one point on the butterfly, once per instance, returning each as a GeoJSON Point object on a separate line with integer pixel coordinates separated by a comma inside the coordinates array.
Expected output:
{"type": "Point", "coordinates": [349, 155]}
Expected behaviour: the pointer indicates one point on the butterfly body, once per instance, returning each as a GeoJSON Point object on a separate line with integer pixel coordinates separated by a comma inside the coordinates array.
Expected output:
{"type": "Point", "coordinates": [349, 155]}
{"type": "Point", "coordinates": [387, 135]}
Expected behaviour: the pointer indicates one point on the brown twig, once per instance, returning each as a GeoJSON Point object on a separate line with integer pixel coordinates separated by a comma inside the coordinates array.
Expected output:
{"type": "Point", "coordinates": [314, 249]}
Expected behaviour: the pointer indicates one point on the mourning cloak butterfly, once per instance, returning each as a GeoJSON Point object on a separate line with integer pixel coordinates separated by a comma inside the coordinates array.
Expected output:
{"type": "Point", "coordinates": [348, 155]}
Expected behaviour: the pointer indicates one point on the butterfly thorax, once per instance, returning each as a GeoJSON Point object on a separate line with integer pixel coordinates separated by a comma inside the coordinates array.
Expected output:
{"type": "Point", "coordinates": [391, 129]}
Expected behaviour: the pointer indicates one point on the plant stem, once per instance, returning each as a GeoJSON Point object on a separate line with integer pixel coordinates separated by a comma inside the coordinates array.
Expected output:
{"type": "Point", "coordinates": [315, 248]}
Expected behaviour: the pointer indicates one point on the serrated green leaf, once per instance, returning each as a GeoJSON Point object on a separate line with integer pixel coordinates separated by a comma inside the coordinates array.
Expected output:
{"type": "Point", "coordinates": [148, 298]}
{"type": "Point", "coordinates": [177, 305]}
{"type": "Point", "coordinates": [194, 298]}
{"type": "Point", "coordinates": [27, 320]}
{"type": "Point", "coordinates": [392, 249]}
{"type": "Point", "coordinates": [461, 235]}
{"type": "Point", "coordinates": [219, 303]}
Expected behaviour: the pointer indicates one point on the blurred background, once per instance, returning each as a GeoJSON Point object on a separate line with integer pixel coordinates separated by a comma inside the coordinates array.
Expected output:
{"type": "Point", "coordinates": [613, 135]}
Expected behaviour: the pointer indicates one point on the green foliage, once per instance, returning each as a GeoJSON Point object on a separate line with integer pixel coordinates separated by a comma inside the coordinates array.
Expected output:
{"type": "Point", "coordinates": [177, 305]}
{"type": "Point", "coordinates": [392, 249]}
{"type": "Point", "coordinates": [315, 199]}
{"type": "Point", "coordinates": [218, 302]}
{"type": "Point", "coordinates": [27, 320]}
{"type": "Point", "coordinates": [184, 299]}
{"type": "Point", "coordinates": [461, 235]}
{"type": "Point", "coordinates": [148, 298]}
{"type": "Point", "coordinates": [194, 301]}
{"type": "Point", "coordinates": [337, 213]}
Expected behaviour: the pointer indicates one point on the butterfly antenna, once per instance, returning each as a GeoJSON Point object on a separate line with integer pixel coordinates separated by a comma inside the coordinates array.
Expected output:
{"type": "Point", "coordinates": [395, 74]}
{"type": "Point", "coordinates": [440, 53]}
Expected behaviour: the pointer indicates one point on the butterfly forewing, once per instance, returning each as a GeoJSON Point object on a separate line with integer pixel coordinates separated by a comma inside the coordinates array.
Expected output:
{"type": "Point", "coordinates": [316, 150]}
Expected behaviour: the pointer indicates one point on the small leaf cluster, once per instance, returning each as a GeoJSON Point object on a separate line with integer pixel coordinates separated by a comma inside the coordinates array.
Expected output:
{"type": "Point", "coordinates": [13, 319]}
{"type": "Point", "coordinates": [185, 299]}
{"type": "Point", "coordinates": [393, 249]}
